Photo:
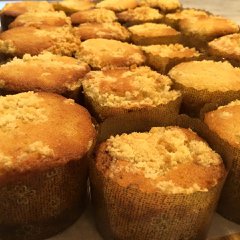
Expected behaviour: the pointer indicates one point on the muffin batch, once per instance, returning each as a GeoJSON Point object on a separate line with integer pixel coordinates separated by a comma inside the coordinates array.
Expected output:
{"type": "Point", "coordinates": [69, 66]}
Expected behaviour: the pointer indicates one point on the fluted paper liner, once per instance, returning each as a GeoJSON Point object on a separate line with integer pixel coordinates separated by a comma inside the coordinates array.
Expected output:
{"type": "Point", "coordinates": [229, 204]}
{"type": "Point", "coordinates": [101, 112]}
{"type": "Point", "coordinates": [129, 213]}
{"type": "Point", "coordinates": [39, 204]}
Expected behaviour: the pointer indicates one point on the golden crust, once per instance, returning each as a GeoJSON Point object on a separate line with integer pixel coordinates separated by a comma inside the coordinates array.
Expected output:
{"type": "Point", "coordinates": [117, 5]}
{"type": "Point", "coordinates": [50, 73]}
{"type": "Point", "coordinates": [16, 9]}
{"type": "Point", "coordinates": [47, 130]}
{"type": "Point", "coordinates": [34, 41]}
{"type": "Point", "coordinates": [112, 30]}
{"type": "Point", "coordinates": [186, 175]}
{"type": "Point", "coordinates": [100, 53]}
{"type": "Point", "coordinates": [93, 15]}
{"type": "Point", "coordinates": [225, 122]}
{"type": "Point", "coordinates": [163, 5]}
{"type": "Point", "coordinates": [227, 47]}
{"type": "Point", "coordinates": [39, 19]}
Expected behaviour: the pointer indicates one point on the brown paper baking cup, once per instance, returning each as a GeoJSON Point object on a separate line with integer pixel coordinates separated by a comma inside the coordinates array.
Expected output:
{"type": "Point", "coordinates": [194, 100]}
{"type": "Point", "coordinates": [40, 204]}
{"type": "Point", "coordinates": [128, 213]}
{"type": "Point", "coordinates": [229, 204]}
{"type": "Point", "coordinates": [101, 112]}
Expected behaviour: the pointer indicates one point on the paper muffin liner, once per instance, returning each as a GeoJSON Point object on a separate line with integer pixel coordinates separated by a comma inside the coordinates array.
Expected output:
{"type": "Point", "coordinates": [39, 204]}
{"type": "Point", "coordinates": [101, 112]}
{"type": "Point", "coordinates": [129, 213]}
{"type": "Point", "coordinates": [164, 64]}
{"type": "Point", "coordinates": [194, 100]}
{"type": "Point", "coordinates": [228, 206]}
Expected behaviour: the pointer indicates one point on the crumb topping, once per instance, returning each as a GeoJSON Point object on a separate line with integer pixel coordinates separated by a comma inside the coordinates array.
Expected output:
{"type": "Point", "coordinates": [20, 109]}
{"type": "Point", "coordinates": [171, 51]}
{"type": "Point", "coordinates": [164, 5]}
{"type": "Point", "coordinates": [94, 15]}
{"type": "Point", "coordinates": [207, 75]}
{"type": "Point", "coordinates": [186, 13]}
{"type": "Point", "coordinates": [155, 153]}
{"type": "Point", "coordinates": [117, 5]}
{"type": "Point", "coordinates": [233, 103]}
{"type": "Point", "coordinates": [7, 47]}
{"type": "Point", "coordinates": [140, 14]}
{"type": "Point", "coordinates": [152, 30]}
{"type": "Point", "coordinates": [136, 88]}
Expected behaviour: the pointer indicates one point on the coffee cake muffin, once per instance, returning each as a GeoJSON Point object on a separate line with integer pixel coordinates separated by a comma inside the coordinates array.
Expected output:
{"type": "Point", "coordinates": [139, 15]}
{"type": "Point", "coordinates": [117, 5]}
{"type": "Point", "coordinates": [153, 33]}
{"type": "Point", "coordinates": [202, 29]}
{"type": "Point", "coordinates": [72, 6]}
{"type": "Point", "coordinates": [225, 122]}
{"type": "Point", "coordinates": [112, 30]}
{"type": "Point", "coordinates": [21, 40]}
{"type": "Point", "coordinates": [164, 57]}
{"type": "Point", "coordinates": [49, 73]}
{"type": "Point", "coordinates": [167, 177]}
{"type": "Point", "coordinates": [205, 81]}
{"type": "Point", "coordinates": [39, 19]}
{"type": "Point", "coordinates": [12, 10]}
{"type": "Point", "coordinates": [118, 91]}
{"type": "Point", "coordinates": [227, 47]}
{"type": "Point", "coordinates": [43, 175]}
{"type": "Point", "coordinates": [163, 5]}
{"type": "Point", "coordinates": [100, 53]}
{"type": "Point", "coordinates": [100, 15]}
{"type": "Point", "coordinates": [173, 19]}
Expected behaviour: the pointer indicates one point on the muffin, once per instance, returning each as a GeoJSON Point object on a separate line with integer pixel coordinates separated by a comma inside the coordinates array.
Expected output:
{"type": "Point", "coordinates": [39, 19]}
{"type": "Point", "coordinates": [72, 6]}
{"type": "Point", "coordinates": [227, 47]}
{"type": "Point", "coordinates": [12, 10]}
{"type": "Point", "coordinates": [21, 40]}
{"type": "Point", "coordinates": [164, 57]}
{"type": "Point", "coordinates": [113, 92]}
{"type": "Point", "coordinates": [101, 15]}
{"type": "Point", "coordinates": [112, 30]}
{"type": "Point", "coordinates": [139, 15]}
{"type": "Point", "coordinates": [43, 175]}
{"type": "Point", "coordinates": [49, 73]}
{"type": "Point", "coordinates": [204, 82]}
{"type": "Point", "coordinates": [168, 177]}
{"type": "Point", "coordinates": [173, 19]}
{"type": "Point", "coordinates": [153, 33]}
{"type": "Point", "coordinates": [163, 5]}
{"type": "Point", "coordinates": [117, 5]}
{"type": "Point", "coordinates": [224, 121]}
{"type": "Point", "coordinates": [104, 53]}
{"type": "Point", "coordinates": [202, 29]}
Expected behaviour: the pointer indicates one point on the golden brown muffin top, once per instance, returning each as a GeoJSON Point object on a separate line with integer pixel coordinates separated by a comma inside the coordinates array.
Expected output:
{"type": "Point", "coordinates": [186, 13]}
{"type": "Point", "coordinates": [112, 30]}
{"type": "Point", "coordinates": [45, 72]}
{"type": "Point", "coordinates": [72, 6]}
{"type": "Point", "coordinates": [208, 26]}
{"type": "Point", "coordinates": [59, 40]}
{"type": "Point", "coordinates": [129, 88]}
{"type": "Point", "coordinates": [101, 53]}
{"type": "Point", "coordinates": [171, 51]}
{"type": "Point", "coordinates": [207, 75]}
{"type": "Point", "coordinates": [153, 30]}
{"type": "Point", "coordinates": [18, 8]}
{"type": "Point", "coordinates": [39, 19]}
{"type": "Point", "coordinates": [228, 46]}
{"type": "Point", "coordinates": [164, 5]}
{"type": "Point", "coordinates": [117, 5]}
{"type": "Point", "coordinates": [41, 130]}
{"type": "Point", "coordinates": [225, 121]}
{"type": "Point", "coordinates": [168, 159]}
{"type": "Point", "coordinates": [100, 15]}
{"type": "Point", "coordinates": [140, 14]}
